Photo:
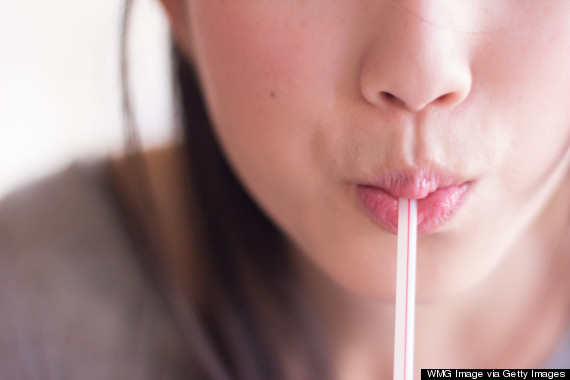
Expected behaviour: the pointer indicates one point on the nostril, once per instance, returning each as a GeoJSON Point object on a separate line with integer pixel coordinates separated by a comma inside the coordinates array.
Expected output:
{"type": "Point", "coordinates": [390, 98]}
{"type": "Point", "coordinates": [449, 99]}
{"type": "Point", "coordinates": [446, 100]}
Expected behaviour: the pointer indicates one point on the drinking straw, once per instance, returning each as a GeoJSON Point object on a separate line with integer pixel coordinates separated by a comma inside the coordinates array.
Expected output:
{"type": "Point", "coordinates": [405, 290]}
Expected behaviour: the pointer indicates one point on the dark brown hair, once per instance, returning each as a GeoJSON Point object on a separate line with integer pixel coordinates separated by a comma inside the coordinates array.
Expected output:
{"type": "Point", "coordinates": [251, 320]}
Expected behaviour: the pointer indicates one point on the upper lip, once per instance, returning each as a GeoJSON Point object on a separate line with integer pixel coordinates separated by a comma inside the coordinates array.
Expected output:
{"type": "Point", "coordinates": [414, 184]}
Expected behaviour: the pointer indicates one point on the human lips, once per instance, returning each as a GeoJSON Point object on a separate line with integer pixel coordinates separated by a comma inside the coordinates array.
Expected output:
{"type": "Point", "coordinates": [439, 198]}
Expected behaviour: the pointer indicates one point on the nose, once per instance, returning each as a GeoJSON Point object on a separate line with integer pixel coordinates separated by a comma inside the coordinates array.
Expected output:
{"type": "Point", "coordinates": [412, 63]}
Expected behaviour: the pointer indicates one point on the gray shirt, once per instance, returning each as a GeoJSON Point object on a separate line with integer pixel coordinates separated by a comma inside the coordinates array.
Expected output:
{"type": "Point", "coordinates": [75, 302]}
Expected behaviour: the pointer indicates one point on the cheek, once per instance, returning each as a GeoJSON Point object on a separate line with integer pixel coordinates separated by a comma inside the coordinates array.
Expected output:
{"type": "Point", "coordinates": [249, 55]}
{"type": "Point", "coordinates": [243, 60]}
{"type": "Point", "coordinates": [262, 93]}
{"type": "Point", "coordinates": [523, 84]}
{"type": "Point", "coordinates": [525, 78]}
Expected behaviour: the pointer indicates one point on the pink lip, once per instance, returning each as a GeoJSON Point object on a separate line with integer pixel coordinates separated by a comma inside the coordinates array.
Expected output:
{"type": "Point", "coordinates": [439, 197]}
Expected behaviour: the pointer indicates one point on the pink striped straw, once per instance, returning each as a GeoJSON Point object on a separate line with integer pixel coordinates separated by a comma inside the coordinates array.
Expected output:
{"type": "Point", "coordinates": [405, 290]}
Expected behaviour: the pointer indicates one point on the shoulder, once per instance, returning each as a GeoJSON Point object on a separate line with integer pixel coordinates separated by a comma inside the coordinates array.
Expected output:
{"type": "Point", "coordinates": [60, 215]}
{"type": "Point", "coordinates": [62, 221]}
{"type": "Point", "coordinates": [74, 303]}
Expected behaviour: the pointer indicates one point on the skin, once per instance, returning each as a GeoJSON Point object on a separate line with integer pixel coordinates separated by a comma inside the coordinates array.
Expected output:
{"type": "Point", "coordinates": [309, 98]}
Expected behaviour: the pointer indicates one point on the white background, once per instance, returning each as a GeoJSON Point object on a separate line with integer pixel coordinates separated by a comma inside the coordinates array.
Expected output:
{"type": "Point", "coordinates": [60, 83]}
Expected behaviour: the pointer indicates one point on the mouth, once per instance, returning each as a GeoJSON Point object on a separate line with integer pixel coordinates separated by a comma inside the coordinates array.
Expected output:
{"type": "Point", "coordinates": [438, 196]}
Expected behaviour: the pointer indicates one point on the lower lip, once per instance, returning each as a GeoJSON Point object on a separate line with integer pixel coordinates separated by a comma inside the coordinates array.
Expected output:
{"type": "Point", "coordinates": [433, 211]}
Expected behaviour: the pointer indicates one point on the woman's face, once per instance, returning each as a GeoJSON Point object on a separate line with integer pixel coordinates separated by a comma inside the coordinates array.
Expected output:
{"type": "Point", "coordinates": [329, 110]}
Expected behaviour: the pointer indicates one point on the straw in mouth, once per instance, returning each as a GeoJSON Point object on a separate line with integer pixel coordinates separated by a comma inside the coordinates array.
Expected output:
{"type": "Point", "coordinates": [405, 290]}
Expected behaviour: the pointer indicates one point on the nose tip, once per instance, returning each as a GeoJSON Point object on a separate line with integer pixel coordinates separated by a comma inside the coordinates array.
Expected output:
{"type": "Point", "coordinates": [417, 67]}
{"type": "Point", "coordinates": [415, 90]}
